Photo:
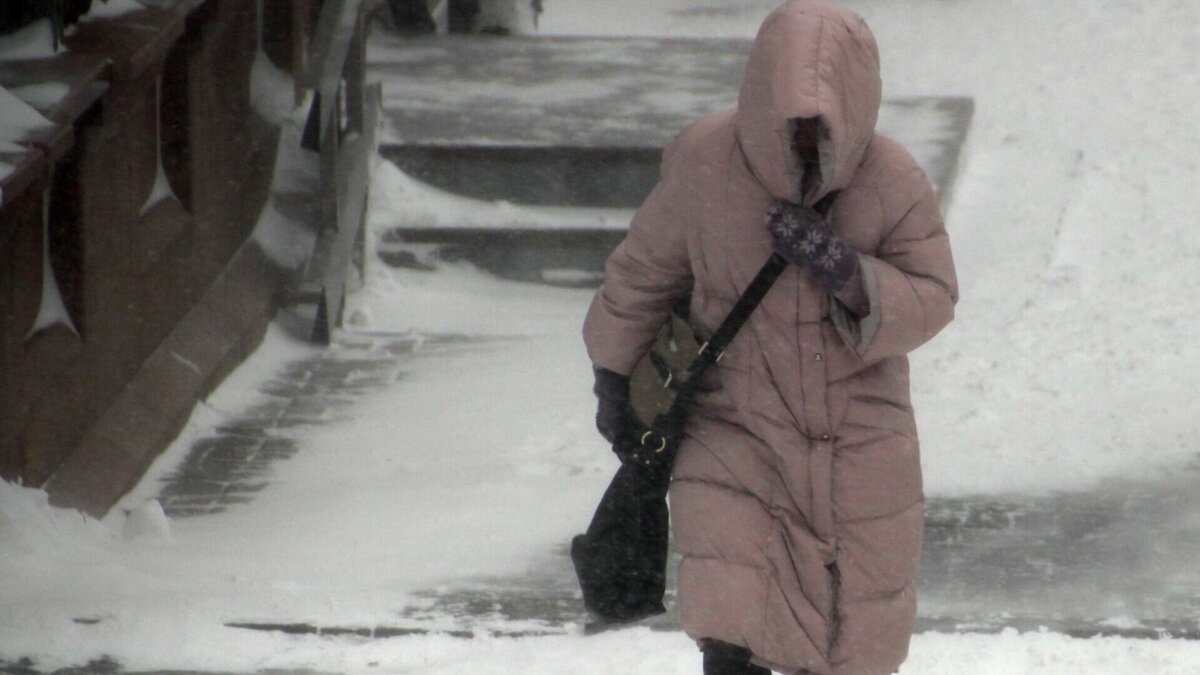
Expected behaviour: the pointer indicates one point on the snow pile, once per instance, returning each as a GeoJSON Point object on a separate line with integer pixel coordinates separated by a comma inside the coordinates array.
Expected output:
{"type": "Point", "coordinates": [272, 91]}
{"type": "Point", "coordinates": [398, 200]}
{"type": "Point", "coordinates": [147, 521]}
{"type": "Point", "coordinates": [51, 309]}
{"type": "Point", "coordinates": [35, 41]}
{"type": "Point", "coordinates": [515, 16]}
{"type": "Point", "coordinates": [17, 122]}
{"type": "Point", "coordinates": [642, 651]}
{"type": "Point", "coordinates": [288, 241]}
{"type": "Point", "coordinates": [1072, 356]}
{"type": "Point", "coordinates": [42, 96]}
{"type": "Point", "coordinates": [162, 186]}
{"type": "Point", "coordinates": [111, 9]}
{"type": "Point", "coordinates": [17, 119]}
{"type": "Point", "coordinates": [1012, 653]}
{"type": "Point", "coordinates": [32, 529]}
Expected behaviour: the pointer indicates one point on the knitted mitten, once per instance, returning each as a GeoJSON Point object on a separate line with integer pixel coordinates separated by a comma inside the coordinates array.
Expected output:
{"type": "Point", "coordinates": [805, 238]}
{"type": "Point", "coordinates": [615, 418]}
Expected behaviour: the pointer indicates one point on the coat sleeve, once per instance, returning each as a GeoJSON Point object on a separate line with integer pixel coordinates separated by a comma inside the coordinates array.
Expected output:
{"type": "Point", "coordinates": [644, 277]}
{"type": "Point", "coordinates": [910, 281]}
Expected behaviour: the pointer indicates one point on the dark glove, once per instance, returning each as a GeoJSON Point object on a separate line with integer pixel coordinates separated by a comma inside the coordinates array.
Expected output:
{"type": "Point", "coordinates": [805, 238]}
{"type": "Point", "coordinates": [615, 417]}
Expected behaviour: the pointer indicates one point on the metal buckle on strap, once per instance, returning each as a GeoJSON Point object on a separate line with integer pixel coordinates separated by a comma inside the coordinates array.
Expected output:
{"type": "Point", "coordinates": [719, 356]}
{"type": "Point", "coordinates": [662, 444]}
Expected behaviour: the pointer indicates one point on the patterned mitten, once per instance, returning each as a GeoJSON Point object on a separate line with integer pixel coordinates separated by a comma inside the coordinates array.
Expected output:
{"type": "Point", "coordinates": [805, 238]}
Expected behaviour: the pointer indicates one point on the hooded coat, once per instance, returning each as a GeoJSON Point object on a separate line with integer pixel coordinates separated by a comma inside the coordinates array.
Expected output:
{"type": "Point", "coordinates": [796, 495]}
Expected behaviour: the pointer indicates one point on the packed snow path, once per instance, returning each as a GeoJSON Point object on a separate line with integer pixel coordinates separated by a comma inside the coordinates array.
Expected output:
{"type": "Point", "coordinates": [1067, 380]}
{"type": "Point", "coordinates": [1080, 564]}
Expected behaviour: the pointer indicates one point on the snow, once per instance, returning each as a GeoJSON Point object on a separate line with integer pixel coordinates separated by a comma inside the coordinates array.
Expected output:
{"type": "Point", "coordinates": [17, 119]}
{"type": "Point", "coordinates": [17, 122]}
{"type": "Point", "coordinates": [287, 241]}
{"type": "Point", "coordinates": [146, 521]}
{"type": "Point", "coordinates": [162, 187]}
{"type": "Point", "coordinates": [1070, 363]}
{"type": "Point", "coordinates": [117, 581]}
{"type": "Point", "coordinates": [51, 309]}
{"type": "Point", "coordinates": [516, 16]}
{"type": "Point", "coordinates": [35, 41]}
{"type": "Point", "coordinates": [42, 96]}
{"type": "Point", "coordinates": [272, 91]}
{"type": "Point", "coordinates": [403, 201]}
{"type": "Point", "coordinates": [109, 9]}
{"type": "Point", "coordinates": [1070, 360]}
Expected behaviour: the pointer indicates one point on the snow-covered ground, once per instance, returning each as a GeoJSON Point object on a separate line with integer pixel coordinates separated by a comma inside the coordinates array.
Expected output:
{"type": "Point", "coordinates": [1070, 364]}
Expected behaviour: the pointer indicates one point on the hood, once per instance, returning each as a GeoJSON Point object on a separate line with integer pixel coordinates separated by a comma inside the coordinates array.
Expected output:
{"type": "Point", "coordinates": [810, 59]}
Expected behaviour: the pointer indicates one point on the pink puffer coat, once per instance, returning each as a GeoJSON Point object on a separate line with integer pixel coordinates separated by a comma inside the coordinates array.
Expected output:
{"type": "Point", "coordinates": [796, 497]}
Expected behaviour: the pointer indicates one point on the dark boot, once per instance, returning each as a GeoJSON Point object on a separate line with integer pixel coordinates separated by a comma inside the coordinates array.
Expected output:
{"type": "Point", "coordinates": [411, 17]}
{"type": "Point", "coordinates": [722, 658]}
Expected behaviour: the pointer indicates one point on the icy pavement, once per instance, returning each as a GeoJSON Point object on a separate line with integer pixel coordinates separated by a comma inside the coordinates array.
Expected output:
{"type": "Point", "coordinates": [1114, 561]}
{"type": "Point", "coordinates": [1118, 560]}
{"type": "Point", "coordinates": [234, 460]}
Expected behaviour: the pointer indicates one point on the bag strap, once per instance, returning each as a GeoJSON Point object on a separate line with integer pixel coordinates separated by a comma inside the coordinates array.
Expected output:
{"type": "Point", "coordinates": [714, 348]}
{"type": "Point", "coordinates": [671, 423]}
{"type": "Point", "coordinates": [657, 439]}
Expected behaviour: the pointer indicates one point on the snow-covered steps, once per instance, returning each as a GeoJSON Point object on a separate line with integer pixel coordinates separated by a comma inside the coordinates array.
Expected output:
{"type": "Point", "coordinates": [580, 121]}
{"type": "Point", "coordinates": [573, 174]}
{"type": "Point", "coordinates": [550, 143]}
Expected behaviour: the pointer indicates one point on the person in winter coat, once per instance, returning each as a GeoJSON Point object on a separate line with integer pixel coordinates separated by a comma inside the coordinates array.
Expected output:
{"type": "Point", "coordinates": [796, 494]}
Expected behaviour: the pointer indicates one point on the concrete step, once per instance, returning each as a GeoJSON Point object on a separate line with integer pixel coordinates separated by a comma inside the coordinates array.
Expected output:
{"type": "Point", "coordinates": [527, 156]}
{"type": "Point", "coordinates": [581, 121]}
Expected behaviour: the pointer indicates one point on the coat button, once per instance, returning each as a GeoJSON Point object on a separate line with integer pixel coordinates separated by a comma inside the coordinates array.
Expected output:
{"type": "Point", "coordinates": [818, 357]}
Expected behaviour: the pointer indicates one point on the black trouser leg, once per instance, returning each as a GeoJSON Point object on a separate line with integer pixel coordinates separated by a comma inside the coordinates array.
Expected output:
{"type": "Point", "coordinates": [461, 15]}
{"type": "Point", "coordinates": [411, 16]}
{"type": "Point", "coordinates": [722, 658]}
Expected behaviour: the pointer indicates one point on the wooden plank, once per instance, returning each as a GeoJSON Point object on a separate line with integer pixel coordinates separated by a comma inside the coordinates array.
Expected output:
{"type": "Point", "coordinates": [134, 42]}
{"type": "Point", "coordinates": [336, 28]}
{"type": "Point", "coordinates": [334, 251]}
{"type": "Point", "coordinates": [219, 330]}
